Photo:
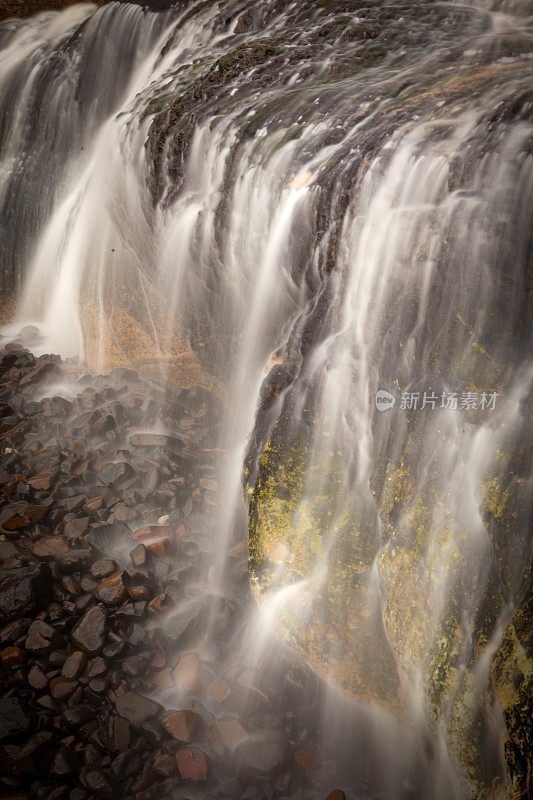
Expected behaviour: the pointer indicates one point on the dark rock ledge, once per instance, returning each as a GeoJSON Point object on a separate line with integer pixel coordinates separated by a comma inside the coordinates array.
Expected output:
{"type": "Point", "coordinates": [24, 8]}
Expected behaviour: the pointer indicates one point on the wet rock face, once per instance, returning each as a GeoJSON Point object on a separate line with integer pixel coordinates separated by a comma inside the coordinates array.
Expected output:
{"type": "Point", "coordinates": [113, 682]}
{"type": "Point", "coordinates": [25, 8]}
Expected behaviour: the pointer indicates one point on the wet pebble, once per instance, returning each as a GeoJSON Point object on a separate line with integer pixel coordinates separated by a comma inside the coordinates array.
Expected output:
{"type": "Point", "coordinates": [88, 632]}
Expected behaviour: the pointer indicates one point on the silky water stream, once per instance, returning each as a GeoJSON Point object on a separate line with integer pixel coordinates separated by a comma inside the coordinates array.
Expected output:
{"type": "Point", "coordinates": [321, 213]}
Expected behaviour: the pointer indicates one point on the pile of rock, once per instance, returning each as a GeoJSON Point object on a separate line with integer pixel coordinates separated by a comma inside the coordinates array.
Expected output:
{"type": "Point", "coordinates": [117, 667]}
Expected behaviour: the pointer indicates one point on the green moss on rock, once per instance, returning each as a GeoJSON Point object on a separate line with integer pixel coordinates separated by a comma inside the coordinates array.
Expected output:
{"type": "Point", "coordinates": [519, 746]}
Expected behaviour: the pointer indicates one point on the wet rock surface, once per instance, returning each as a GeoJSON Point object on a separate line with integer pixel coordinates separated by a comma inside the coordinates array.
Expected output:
{"type": "Point", "coordinates": [24, 8]}
{"type": "Point", "coordinates": [118, 670]}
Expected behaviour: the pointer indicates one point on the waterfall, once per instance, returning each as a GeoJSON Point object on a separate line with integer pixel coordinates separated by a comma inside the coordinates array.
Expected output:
{"type": "Point", "coordinates": [321, 213]}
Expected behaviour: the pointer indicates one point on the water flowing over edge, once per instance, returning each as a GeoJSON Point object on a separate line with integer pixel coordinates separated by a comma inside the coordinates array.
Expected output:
{"type": "Point", "coordinates": [305, 208]}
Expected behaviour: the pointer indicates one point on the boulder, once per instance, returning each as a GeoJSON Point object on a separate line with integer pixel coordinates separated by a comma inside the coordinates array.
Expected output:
{"type": "Point", "coordinates": [136, 708]}
{"type": "Point", "coordinates": [103, 568]}
{"type": "Point", "coordinates": [50, 547]}
{"type": "Point", "coordinates": [42, 482]}
{"type": "Point", "coordinates": [74, 665]}
{"type": "Point", "coordinates": [138, 555]}
{"type": "Point", "coordinates": [113, 590]}
{"type": "Point", "coordinates": [192, 764]}
{"type": "Point", "coordinates": [88, 633]}
{"type": "Point", "coordinates": [24, 591]}
{"type": "Point", "coordinates": [40, 637]}
{"type": "Point", "coordinates": [182, 725]}
{"type": "Point", "coordinates": [115, 733]}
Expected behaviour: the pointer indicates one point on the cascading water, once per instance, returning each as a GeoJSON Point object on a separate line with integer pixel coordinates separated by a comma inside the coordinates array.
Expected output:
{"type": "Point", "coordinates": [309, 208]}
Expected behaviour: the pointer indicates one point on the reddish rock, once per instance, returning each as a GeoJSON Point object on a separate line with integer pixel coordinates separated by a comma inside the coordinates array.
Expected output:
{"type": "Point", "coordinates": [40, 637]}
{"type": "Point", "coordinates": [182, 725]}
{"type": "Point", "coordinates": [88, 585]}
{"type": "Point", "coordinates": [218, 691]}
{"type": "Point", "coordinates": [88, 633]}
{"type": "Point", "coordinates": [140, 592]}
{"type": "Point", "coordinates": [226, 734]}
{"type": "Point", "coordinates": [61, 689]}
{"type": "Point", "coordinates": [74, 665]}
{"type": "Point", "coordinates": [97, 666]}
{"type": "Point", "coordinates": [186, 674]}
{"type": "Point", "coordinates": [50, 547]}
{"type": "Point", "coordinates": [336, 794]}
{"type": "Point", "coordinates": [93, 505]}
{"type": "Point", "coordinates": [160, 603]}
{"type": "Point", "coordinates": [154, 530]}
{"type": "Point", "coordinates": [81, 467]}
{"type": "Point", "coordinates": [37, 679]}
{"type": "Point", "coordinates": [305, 763]}
{"type": "Point", "coordinates": [159, 545]}
{"type": "Point", "coordinates": [35, 513]}
{"type": "Point", "coordinates": [75, 528]}
{"type": "Point", "coordinates": [125, 514]}
{"type": "Point", "coordinates": [13, 656]}
{"type": "Point", "coordinates": [134, 665]}
{"type": "Point", "coordinates": [10, 487]}
{"type": "Point", "coordinates": [14, 434]}
{"type": "Point", "coordinates": [70, 585]}
{"type": "Point", "coordinates": [159, 539]}
{"type": "Point", "coordinates": [14, 519]}
{"type": "Point", "coordinates": [103, 568]}
{"type": "Point", "coordinates": [42, 481]}
{"type": "Point", "coordinates": [136, 708]}
{"type": "Point", "coordinates": [113, 590]}
{"type": "Point", "coordinates": [230, 700]}
{"type": "Point", "coordinates": [12, 631]}
{"type": "Point", "coordinates": [163, 679]}
{"type": "Point", "coordinates": [20, 515]}
{"type": "Point", "coordinates": [192, 764]}
{"type": "Point", "coordinates": [165, 765]}
{"type": "Point", "coordinates": [138, 555]}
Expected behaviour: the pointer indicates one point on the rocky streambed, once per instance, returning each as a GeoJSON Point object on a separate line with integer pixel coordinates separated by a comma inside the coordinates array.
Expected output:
{"type": "Point", "coordinates": [120, 675]}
